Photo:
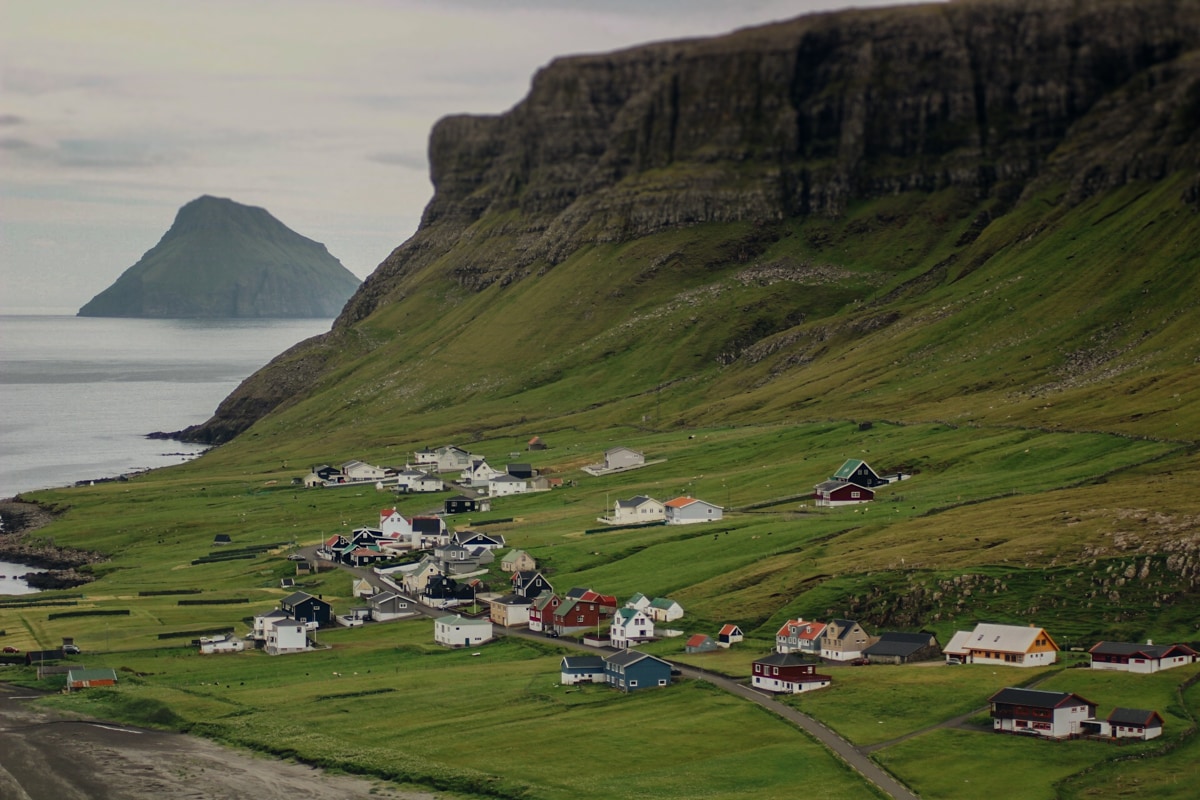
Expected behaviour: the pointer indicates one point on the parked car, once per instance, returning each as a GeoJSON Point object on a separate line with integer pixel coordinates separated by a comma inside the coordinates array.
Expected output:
{"type": "Point", "coordinates": [71, 649]}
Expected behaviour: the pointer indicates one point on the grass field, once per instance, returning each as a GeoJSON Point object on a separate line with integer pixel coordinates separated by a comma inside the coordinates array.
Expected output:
{"type": "Point", "coordinates": [994, 524]}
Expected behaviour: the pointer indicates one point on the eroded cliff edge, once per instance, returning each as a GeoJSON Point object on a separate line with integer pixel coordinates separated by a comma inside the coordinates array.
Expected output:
{"type": "Point", "coordinates": [798, 118]}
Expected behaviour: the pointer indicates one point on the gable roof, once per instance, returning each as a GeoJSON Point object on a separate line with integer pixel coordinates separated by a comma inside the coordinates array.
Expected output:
{"type": "Point", "coordinates": [591, 663]}
{"type": "Point", "coordinates": [625, 658]}
{"type": "Point", "coordinates": [782, 660]}
{"type": "Point", "coordinates": [296, 598]}
{"type": "Point", "coordinates": [726, 630]}
{"type": "Point", "coordinates": [1134, 716]}
{"type": "Point", "coordinates": [663, 603]}
{"type": "Point", "coordinates": [838, 628]}
{"type": "Point", "coordinates": [1005, 638]}
{"type": "Point", "coordinates": [850, 467]}
{"type": "Point", "coordinates": [1036, 698]}
{"type": "Point", "coordinates": [697, 639]}
{"type": "Point", "coordinates": [958, 643]}
{"type": "Point", "coordinates": [899, 644]}
{"type": "Point", "coordinates": [807, 630]}
{"type": "Point", "coordinates": [1152, 651]}
{"type": "Point", "coordinates": [97, 674]}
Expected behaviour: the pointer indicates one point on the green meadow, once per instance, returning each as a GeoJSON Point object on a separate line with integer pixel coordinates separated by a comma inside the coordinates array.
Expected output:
{"type": "Point", "coordinates": [384, 701]}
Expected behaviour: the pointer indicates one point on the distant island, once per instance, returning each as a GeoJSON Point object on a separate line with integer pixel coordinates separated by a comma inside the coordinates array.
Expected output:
{"type": "Point", "coordinates": [222, 259]}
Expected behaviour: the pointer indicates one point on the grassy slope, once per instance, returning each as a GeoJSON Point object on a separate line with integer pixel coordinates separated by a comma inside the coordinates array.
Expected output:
{"type": "Point", "coordinates": [1047, 413]}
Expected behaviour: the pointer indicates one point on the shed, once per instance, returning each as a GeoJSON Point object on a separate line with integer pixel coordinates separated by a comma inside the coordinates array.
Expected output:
{"type": "Point", "coordinates": [87, 678]}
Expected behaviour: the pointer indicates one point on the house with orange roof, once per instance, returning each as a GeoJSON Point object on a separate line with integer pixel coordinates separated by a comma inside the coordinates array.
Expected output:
{"type": "Point", "coordinates": [729, 634]}
{"type": "Point", "coordinates": [1008, 645]}
{"type": "Point", "coordinates": [799, 636]}
{"type": "Point", "coordinates": [699, 643]}
{"type": "Point", "coordinates": [688, 510]}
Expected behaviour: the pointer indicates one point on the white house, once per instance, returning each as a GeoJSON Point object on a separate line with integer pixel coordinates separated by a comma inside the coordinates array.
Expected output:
{"type": "Point", "coordinates": [504, 484]}
{"type": "Point", "coordinates": [638, 601]}
{"type": "Point", "coordinates": [629, 627]}
{"type": "Point", "coordinates": [458, 631]}
{"type": "Point", "coordinates": [447, 458]}
{"type": "Point", "coordinates": [1055, 715]}
{"type": "Point", "coordinates": [1007, 645]}
{"type": "Point", "coordinates": [1127, 723]}
{"type": "Point", "coordinates": [664, 609]}
{"type": "Point", "coordinates": [687, 510]}
{"type": "Point", "coordinates": [623, 458]}
{"type": "Point", "coordinates": [411, 480]}
{"type": "Point", "coordinates": [285, 636]}
{"type": "Point", "coordinates": [224, 643]}
{"type": "Point", "coordinates": [263, 621]}
{"type": "Point", "coordinates": [361, 471]}
{"type": "Point", "coordinates": [1141, 658]}
{"type": "Point", "coordinates": [478, 473]}
{"type": "Point", "coordinates": [582, 669]}
{"type": "Point", "coordinates": [637, 510]}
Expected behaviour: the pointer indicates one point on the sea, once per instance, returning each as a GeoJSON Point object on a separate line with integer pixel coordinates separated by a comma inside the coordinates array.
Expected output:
{"type": "Point", "coordinates": [79, 394]}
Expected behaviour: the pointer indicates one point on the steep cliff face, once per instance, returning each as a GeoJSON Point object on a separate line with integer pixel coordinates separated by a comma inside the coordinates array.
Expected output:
{"type": "Point", "coordinates": [790, 119]}
{"type": "Point", "coordinates": [803, 119]}
{"type": "Point", "coordinates": [222, 259]}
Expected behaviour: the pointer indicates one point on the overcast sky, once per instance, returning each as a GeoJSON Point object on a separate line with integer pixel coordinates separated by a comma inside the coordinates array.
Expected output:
{"type": "Point", "coordinates": [114, 113]}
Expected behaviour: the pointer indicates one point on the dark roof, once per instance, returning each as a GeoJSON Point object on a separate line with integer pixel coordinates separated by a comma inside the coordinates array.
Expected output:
{"type": "Point", "coordinates": [628, 657]}
{"type": "Point", "coordinates": [782, 660]}
{"type": "Point", "coordinates": [898, 644]}
{"type": "Point", "coordinates": [1133, 648]}
{"type": "Point", "coordinates": [1133, 716]}
{"type": "Point", "coordinates": [426, 524]}
{"type": "Point", "coordinates": [295, 598]}
{"type": "Point", "coordinates": [838, 627]}
{"type": "Point", "coordinates": [1035, 698]}
{"type": "Point", "coordinates": [583, 662]}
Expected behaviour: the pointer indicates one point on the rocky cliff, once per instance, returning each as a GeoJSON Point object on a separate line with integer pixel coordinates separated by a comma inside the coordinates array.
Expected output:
{"type": "Point", "coordinates": [797, 119]}
{"type": "Point", "coordinates": [222, 259]}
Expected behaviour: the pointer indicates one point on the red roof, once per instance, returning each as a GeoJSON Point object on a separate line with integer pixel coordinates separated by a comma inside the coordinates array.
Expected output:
{"type": "Point", "coordinates": [680, 502]}
{"type": "Point", "coordinates": [332, 540]}
{"type": "Point", "coordinates": [807, 630]}
{"type": "Point", "coordinates": [696, 640]}
{"type": "Point", "coordinates": [728, 629]}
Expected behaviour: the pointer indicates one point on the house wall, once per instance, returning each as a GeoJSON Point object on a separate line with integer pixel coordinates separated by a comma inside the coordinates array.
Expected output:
{"type": "Point", "coordinates": [1143, 666]}
{"type": "Point", "coordinates": [1037, 659]}
{"type": "Point", "coordinates": [771, 683]}
{"type": "Point", "coordinates": [573, 677]}
{"type": "Point", "coordinates": [1135, 732]}
{"type": "Point", "coordinates": [1058, 723]}
{"type": "Point", "coordinates": [618, 459]}
{"type": "Point", "coordinates": [453, 635]}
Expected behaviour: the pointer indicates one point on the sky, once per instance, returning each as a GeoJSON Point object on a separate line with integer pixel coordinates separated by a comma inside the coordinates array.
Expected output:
{"type": "Point", "coordinates": [115, 114]}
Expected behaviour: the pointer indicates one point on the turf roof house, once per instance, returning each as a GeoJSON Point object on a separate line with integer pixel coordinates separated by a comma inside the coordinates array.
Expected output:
{"type": "Point", "coordinates": [1055, 715]}
{"type": "Point", "coordinates": [1141, 658]}
{"type": "Point", "coordinates": [799, 636]}
{"type": "Point", "coordinates": [788, 673]}
{"type": "Point", "coordinates": [1008, 645]}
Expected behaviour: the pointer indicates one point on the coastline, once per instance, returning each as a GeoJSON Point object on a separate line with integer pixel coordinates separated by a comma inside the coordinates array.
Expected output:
{"type": "Point", "coordinates": [63, 565]}
{"type": "Point", "coordinates": [112, 761]}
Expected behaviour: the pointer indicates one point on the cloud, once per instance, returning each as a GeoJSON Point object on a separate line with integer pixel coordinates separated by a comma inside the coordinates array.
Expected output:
{"type": "Point", "coordinates": [11, 119]}
{"type": "Point", "coordinates": [401, 159]}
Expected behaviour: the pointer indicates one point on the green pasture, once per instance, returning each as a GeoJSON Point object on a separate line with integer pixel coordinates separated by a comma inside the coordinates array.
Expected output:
{"type": "Point", "coordinates": [881, 702]}
{"type": "Point", "coordinates": [400, 708]}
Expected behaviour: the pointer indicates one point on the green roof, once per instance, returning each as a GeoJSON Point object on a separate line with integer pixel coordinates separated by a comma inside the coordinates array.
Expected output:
{"type": "Point", "coordinates": [848, 468]}
{"type": "Point", "coordinates": [104, 674]}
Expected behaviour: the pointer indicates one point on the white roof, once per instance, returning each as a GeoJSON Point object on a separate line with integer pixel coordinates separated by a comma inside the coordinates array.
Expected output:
{"type": "Point", "coordinates": [958, 643]}
{"type": "Point", "coordinates": [1003, 638]}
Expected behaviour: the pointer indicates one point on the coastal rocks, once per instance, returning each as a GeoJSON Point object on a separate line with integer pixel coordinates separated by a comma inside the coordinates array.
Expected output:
{"type": "Point", "coordinates": [66, 567]}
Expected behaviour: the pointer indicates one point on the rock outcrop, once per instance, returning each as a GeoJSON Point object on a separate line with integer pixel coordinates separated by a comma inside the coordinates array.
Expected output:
{"type": "Point", "coordinates": [222, 259]}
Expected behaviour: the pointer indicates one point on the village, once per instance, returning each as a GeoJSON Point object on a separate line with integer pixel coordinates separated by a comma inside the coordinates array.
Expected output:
{"type": "Point", "coordinates": [419, 568]}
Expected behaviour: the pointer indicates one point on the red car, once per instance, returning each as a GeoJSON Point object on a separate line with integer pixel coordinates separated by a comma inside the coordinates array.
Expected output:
{"type": "Point", "coordinates": [11, 650]}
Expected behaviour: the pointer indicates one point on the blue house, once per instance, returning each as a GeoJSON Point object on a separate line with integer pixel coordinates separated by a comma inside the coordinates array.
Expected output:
{"type": "Point", "coordinates": [630, 670]}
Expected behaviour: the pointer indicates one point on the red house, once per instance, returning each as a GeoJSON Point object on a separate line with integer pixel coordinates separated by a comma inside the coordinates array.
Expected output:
{"type": "Point", "coordinates": [842, 493]}
{"type": "Point", "coordinates": [787, 672]}
{"type": "Point", "coordinates": [583, 612]}
{"type": "Point", "coordinates": [541, 613]}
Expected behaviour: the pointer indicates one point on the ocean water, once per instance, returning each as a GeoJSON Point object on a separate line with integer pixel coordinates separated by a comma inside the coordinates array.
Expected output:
{"type": "Point", "coordinates": [79, 394]}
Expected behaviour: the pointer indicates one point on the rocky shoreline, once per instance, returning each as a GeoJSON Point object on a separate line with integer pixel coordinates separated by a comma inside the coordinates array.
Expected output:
{"type": "Point", "coordinates": [65, 566]}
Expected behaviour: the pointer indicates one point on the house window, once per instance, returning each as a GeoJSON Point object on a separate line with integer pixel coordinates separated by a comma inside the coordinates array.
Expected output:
{"type": "Point", "coordinates": [854, 494]}
{"type": "Point", "coordinates": [632, 684]}
{"type": "Point", "coordinates": [662, 681]}
{"type": "Point", "coordinates": [580, 618]}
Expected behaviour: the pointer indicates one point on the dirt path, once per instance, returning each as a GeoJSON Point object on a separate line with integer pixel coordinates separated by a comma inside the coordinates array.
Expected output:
{"type": "Point", "coordinates": [44, 756]}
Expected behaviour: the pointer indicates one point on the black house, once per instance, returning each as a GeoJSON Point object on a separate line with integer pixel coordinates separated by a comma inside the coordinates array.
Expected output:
{"type": "Point", "coordinates": [461, 504]}
{"type": "Point", "coordinates": [530, 583]}
{"type": "Point", "coordinates": [444, 590]}
{"type": "Point", "coordinates": [524, 471]}
{"type": "Point", "coordinates": [302, 606]}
